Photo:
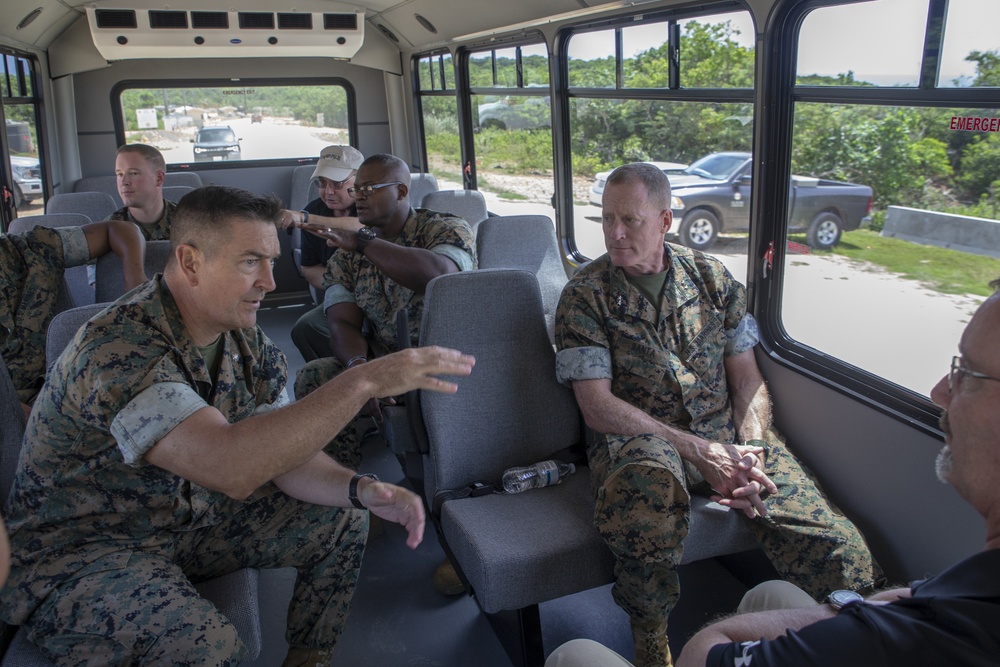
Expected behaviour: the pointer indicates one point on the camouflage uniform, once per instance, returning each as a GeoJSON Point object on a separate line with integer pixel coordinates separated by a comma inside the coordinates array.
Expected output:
{"type": "Point", "coordinates": [153, 231]}
{"type": "Point", "coordinates": [670, 365]}
{"type": "Point", "coordinates": [352, 278]}
{"type": "Point", "coordinates": [32, 270]}
{"type": "Point", "coordinates": [106, 546]}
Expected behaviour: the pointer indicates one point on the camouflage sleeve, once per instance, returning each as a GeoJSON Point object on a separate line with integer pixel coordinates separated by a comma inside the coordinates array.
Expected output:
{"type": "Point", "coordinates": [341, 269]}
{"type": "Point", "coordinates": [450, 236]}
{"type": "Point", "coordinates": [337, 294]}
{"type": "Point", "coordinates": [583, 350]}
{"type": "Point", "coordinates": [152, 414]}
{"type": "Point", "coordinates": [462, 259]}
{"type": "Point", "coordinates": [271, 373]}
{"type": "Point", "coordinates": [76, 251]}
{"type": "Point", "coordinates": [743, 337]}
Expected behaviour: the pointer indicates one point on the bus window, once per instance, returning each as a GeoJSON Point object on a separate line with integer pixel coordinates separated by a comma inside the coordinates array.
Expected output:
{"type": "Point", "coordinates": [672, 115]}
{"type": "Point", "coordinates": [975, 45]}
{"type": "Point", "coordinates": [439, 118]}
{"type": "Point", "coordinates": [21, 113]}
{"type": "Point", "coordinates": [905, 275]}
{"type": "Point", "coordinates": [235, 122]}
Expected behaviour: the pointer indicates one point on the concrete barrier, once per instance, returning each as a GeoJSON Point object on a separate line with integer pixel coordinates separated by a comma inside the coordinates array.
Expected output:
{"type": "Point", "coordinates": [959, 232]}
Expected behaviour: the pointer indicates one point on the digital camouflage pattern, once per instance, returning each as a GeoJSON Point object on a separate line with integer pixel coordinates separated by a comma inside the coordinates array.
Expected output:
{"type": "Point", "coordinates": [153, 231]}
{"type": "Point", "coordinates": [86, 526]}
{"type": "Point", "coordinates": [668, 361]}
{"type": "Point", "coordinates": [355, 279]}
{"type": "Point", "coordinates": [32, 273]}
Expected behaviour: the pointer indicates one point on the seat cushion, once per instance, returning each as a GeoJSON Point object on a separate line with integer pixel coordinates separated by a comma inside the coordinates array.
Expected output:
{"type": "Point", "coordinates": [523, 549]}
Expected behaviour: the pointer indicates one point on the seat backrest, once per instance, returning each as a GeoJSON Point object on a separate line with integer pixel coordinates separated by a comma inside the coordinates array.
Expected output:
{"type": "Point", "coordinates": [64, 326]}
{"type": "Point", "coordinates": [95, 205]}
{"type": "Point", "coordinates": [470, 205]}
{"type": "Point", "coordinates": [525, 242]}
{"type": "Point", "coordinates": [175, 192]}
{"type": "Point", "coordinates": [109, 184]}
{"type": "Point", "coordinates": [303, 188]}
{"type": "Point", "coordinates": [76, 289]}
{"type": "Point", "coordinates": [12, 424]}
{"type": "Point", "coordinates": [106, 184]}
{"type": "Point", "coordinates": [110, 282]}
{"type": "Point", "coordinates": [420, 184]}
{"type": "Point", "coordinates": [511, 410]}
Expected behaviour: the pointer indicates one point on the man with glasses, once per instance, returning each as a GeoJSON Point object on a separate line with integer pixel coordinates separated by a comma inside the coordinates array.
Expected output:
{"type": "Point", "coordinates": [949, 619]}
{"type": "Point", "coordinates": [380, 268]}
{"type": "Point", "coordinates": [333, 176]}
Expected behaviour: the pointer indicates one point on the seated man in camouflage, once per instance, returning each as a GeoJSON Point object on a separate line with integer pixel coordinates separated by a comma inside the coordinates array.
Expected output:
{"type": "Point", "coordinates": [161, 453]}
{"type": "Point", "coordinates": [657, 345]}
{"type": "Point", "coordinates": [386, 258]}
{"type": "Point", "coordinates": [140, 170]}
{"type": "Point", "coordinates": [33, 265]}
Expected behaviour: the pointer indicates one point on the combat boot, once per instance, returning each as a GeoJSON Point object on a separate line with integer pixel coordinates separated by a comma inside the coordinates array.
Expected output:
{"type": "Point", "coordinates": [303, 656]}
{"type": "Point", "coordinates": [651, 647]}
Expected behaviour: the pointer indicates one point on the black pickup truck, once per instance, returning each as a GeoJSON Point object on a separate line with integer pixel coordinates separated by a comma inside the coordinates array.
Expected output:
{"type": "Point", "coordinates": [713, 195]}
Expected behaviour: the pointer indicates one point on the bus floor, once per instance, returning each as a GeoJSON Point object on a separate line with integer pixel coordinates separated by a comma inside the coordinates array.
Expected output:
{"type": "Point", "coordinates": [397, 618]}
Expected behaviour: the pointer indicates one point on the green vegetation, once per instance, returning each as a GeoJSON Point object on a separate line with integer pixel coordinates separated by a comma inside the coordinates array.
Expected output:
{"type": "Point", "coordinates": [946, 270]}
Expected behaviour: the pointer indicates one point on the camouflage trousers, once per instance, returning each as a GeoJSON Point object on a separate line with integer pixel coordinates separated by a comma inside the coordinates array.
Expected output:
{"type": "Point", "coordinates": [346, 445]}
{"type": "Point", "coordinates": [642, 511]}
{"type": "Point", "coordinates": [140, 607]}
{"type": "Point", "coordinates": [32, 267]}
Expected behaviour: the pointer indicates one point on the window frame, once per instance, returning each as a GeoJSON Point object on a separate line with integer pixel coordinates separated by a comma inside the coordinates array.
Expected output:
{"type": "Point", "coordinates": [130, 84]}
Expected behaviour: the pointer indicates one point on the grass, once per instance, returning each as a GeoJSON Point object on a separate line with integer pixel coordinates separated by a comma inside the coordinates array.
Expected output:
{"type": "Point", "coordinates": [945, 270]}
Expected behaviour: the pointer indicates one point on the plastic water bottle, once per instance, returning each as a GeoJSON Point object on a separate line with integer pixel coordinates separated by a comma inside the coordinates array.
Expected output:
{"type": "Point", "coordinates": [536, 476]}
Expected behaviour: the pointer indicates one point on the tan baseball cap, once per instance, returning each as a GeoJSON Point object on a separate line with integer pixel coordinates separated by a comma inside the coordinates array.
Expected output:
{"type": "Point", "coordinates": [337, 162]}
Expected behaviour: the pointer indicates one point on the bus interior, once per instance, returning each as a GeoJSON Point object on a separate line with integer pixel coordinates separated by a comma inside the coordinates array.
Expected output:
{"type": "Point", "coordinates": [530, 105]}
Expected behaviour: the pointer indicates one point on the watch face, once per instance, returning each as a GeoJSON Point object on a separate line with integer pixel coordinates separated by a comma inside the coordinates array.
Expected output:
{"type": "Point", "coordinates": [840, 598]}
{"type": "Point", "coordinates": [367, 233]}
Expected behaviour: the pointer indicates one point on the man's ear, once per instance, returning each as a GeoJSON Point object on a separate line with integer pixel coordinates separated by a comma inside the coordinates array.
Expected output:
{"type": "Point", "coordinates": [404, 191]}
{"type": "Point", "coordinates": [190, 261]}
{"type": "Point", "coordinates": [160, 177]}
{"type": "Point", "coordinates": [668, 220]}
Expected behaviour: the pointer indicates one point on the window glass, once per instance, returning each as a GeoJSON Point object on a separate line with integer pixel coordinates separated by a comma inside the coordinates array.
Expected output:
{"type": "Point", "coordinates": [20, 108]}
{"type": "Point", "coordinates": [853, 45]}
{"type": "Point", "coordinates": [703, 146]}
{"type": "Point", "coordinates": [441, 143]}
{"type": "Point", "coordinates": [236, 122]}
{"type": "Point", "coordinates": [535, 65]}
{"type": "Point", "coordinates": [436, 72]}
{"type": "Point", "coordinates": [890, 215]}
{"type": "Point", "coordinates": [971, 53]}
{"type": "Point", "coordinates": [591, 59]}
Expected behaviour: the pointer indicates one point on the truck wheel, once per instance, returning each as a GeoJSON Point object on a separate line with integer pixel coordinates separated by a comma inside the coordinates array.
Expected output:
{"type": "Point", "coordinates": [824, 231]}
{"type": "Point", "coordinates": [18, 197]}
{"type": "Point", "coordinates": [493, 124]}
{"type": "Point", "coordinates": [699, 229]}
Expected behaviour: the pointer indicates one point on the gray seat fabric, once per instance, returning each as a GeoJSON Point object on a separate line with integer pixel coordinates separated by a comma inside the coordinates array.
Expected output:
{"type": "Point", "coordinates": [421, 183]}
{"type": "Point", "coordinates": [516, 551]}
{"type": "Point", "coordinates": [109, 184]}
{"type": "Point", "coordinates": [470, 205]}
{"type": "Point", "coordinates": [525, 242]}
{"type": "Point", "coordinates": [95, 205]}
{"type": "Point", "coordinates": [234, 594]}
{"type": "Point", "coordinates": [175, 192]}
{"type": "Point", "coordinates": [76, 289]}
{"type": "Point", "coordinates": [303, 189]}
{"type": "Point", "coordinates": [110, 282]}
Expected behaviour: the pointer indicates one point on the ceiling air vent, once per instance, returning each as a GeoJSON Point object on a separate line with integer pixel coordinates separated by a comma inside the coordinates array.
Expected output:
{"type": "Point", "coordinates": [167, 19]}
{"type": "Point", "coordinates": [210, 20]}
{"type": "Point", "coordinates": [340, 21]}
{"type": "Point", "coordinates": [115, 18]}
{"type": "Point", "coordinates": [183, 32]}
{"type": "Point", "coordinates": [257, 20]}
{"type": "Point", "coordinates": [298, 21]}
{"type": "Point", "coordinates": [388, 33]}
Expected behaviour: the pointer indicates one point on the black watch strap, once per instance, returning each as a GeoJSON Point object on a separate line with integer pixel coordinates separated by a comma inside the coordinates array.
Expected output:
{"type": "Point", "coordinates": [352, 489]}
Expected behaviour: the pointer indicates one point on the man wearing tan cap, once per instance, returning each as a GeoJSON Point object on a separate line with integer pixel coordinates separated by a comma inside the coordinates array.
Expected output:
{"type": "Point", "coordinates": [334, 207]}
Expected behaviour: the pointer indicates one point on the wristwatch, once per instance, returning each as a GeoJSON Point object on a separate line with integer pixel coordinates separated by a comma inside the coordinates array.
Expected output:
{"type": "Point", "coordinates": [365, 234]}
{"type": "Point", "coordinates": [840, 599]}
{"type": "Point", "coordinates": [352, 488]}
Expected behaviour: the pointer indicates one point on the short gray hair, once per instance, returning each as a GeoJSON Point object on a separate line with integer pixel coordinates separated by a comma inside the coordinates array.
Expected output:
{"type": "Point", "coordinates": [652, 177]}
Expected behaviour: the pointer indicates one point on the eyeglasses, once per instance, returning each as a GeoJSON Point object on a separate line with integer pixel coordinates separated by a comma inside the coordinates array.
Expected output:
{"type": "Point", "coordinates": [369, 190]}
{"type": "Point", "coordinates": [326, 183]}
{"type": "Point", "coordinates": [958, 370]}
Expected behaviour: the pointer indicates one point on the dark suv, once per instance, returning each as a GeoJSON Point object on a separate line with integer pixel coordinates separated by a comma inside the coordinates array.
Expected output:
{"type": "Point", "coordinates": [216, 144]}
